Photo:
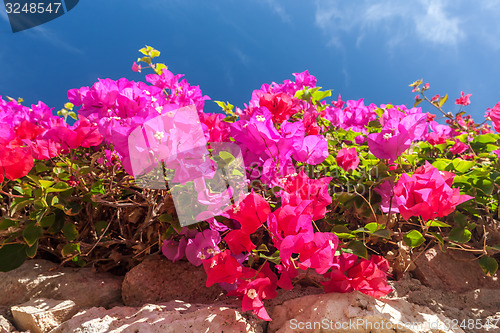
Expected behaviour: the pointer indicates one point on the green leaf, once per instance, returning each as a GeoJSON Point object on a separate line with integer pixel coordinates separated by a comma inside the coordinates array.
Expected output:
{"type": "Point", "coordinates": [441, 164]}
{"type": "Point", "coordinates": [459, 235]}
{"type": "Point", "coordinates": [358, 248]}
{"type": "Point", "coordinates": [274, 258]}
{"type": "Point", "coordinates": [7, 223]}
{"type": "Point", "coordinates": [46, 183]}
{"type": "Point", "coordinates": [443, 100]}
{"type": "Point", "coordinates": [47, 221]}
{"type": "Point", "coordinates": [72, 208]}
{"type": "Point", "coordinates": [494, 248]}
{"type": "Point", "coordinates": [461, 165]}
{"type": "Point", "coordinates": [489, 265]}
{"type": "Point", "coordinates": [437, 223]}
{"type": "Point", "coordinates": [485, 138]}
{"type": "Point", "coordinates": [438, 236]}
{"type": "Point", "coordinates": [12, 256]}
{"type": "Point", "coordinates": [58, 187]}
{"type": "Point", "coordinates": [226, 157]}
{"type": "Point", "coordinates": [98, 188]}
{"type": "Point", "coordinates": [414, 238]}
{"type": "Point", "coordinates": [101, 226]}
{"type": "Point", "coordinates": [71, 248]}
{"type": "Point", "coordinates": [383, 233]}
{"type": "Point", "coordinates": [31, 250]}
{"type": "Point", "coordinates": [262, 248]}
{"type": "Point", "coordinates": [70, 232]}
{"type": "Point", "coordinates": [32, 233]}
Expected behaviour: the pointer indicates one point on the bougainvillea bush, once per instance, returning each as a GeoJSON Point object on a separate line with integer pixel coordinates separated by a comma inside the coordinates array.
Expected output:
{"type": "Point", "coordinates": [342, 190]}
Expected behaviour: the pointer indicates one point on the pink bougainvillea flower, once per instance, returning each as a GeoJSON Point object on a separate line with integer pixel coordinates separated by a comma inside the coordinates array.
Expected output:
{"type": "Point", "coordinates": [299, 188]}
{"type": "Point", "coordinates": [464, 99]}
{"type": "Point", "coordinates": [15, 162]}
{"type": "Point", "coordinates": [390, 202]}
{"type": "Point", "coordinates": [347, 159]}
{"type": "Point", "coordinates": [251, 212]}
{"type": "Point", "coordinates": [202, 246]}
{"type": "Point", "coordinates": [254, 287]}
{"type": "Point", "coordinates": [174, 250]}
{"type": "Point", "coordinates": [428, 193]}
{"type": "Point", "coordinates": [222, 267]}
{"type": "Point", "coordinates": [352, 273]}
{"type": "Point", "coordinates": [316, 250]}
{"type": "Point", "coordinates": [280, 105]}
{"type": "Point", "coordinates": [136, 68]}
{"type": "Point", "coordinates": [459, 147]}
{"type": "Point", "coordinates": [494, 114]}
{"type": "Point", "coordinates": [314, 150]}
{"type": "Point", "coordinates": [390, 143]}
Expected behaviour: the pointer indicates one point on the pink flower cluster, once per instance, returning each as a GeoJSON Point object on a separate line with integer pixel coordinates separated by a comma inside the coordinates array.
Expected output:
{"type": "Point", "coordinates": [34, 133]}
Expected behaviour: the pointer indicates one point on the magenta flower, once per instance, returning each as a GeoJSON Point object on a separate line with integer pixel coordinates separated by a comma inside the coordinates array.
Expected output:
{"type": "Point", "coordinates": [428, 193]}
{"type": "Point", "coordinates": [459, 147]}
{"type": "Point", "coordinates": [314, 150]}
{"type": "Point", "coordinates": [390, 143]}
{"type": "Point", "coordinates": [202, 246]}
{"type": "Point", "coordinates": [464, 99]}
{"type": "Point", "coordinates": [347, 159]}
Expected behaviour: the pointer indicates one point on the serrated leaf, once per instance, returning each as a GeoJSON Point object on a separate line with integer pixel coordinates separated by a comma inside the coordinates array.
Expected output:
{"type": "Point", "coordinates": [489, 265]}
{"type": "Point", "coordinates": [12, 256]}
{"type": "Point", "coordinates": [413, 238]}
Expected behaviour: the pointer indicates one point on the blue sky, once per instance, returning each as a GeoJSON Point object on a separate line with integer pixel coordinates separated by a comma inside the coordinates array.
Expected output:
{"type": "Point", "coordinates": [362, 49]}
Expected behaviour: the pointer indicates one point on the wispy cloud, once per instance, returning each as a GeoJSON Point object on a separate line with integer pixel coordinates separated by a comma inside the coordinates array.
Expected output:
{"type": "Point", "coordinates": [426, 20]}
{"type": "Point", "coordinates": [242, 56]}
{"type": "Point", "coordinates": [278, 9]}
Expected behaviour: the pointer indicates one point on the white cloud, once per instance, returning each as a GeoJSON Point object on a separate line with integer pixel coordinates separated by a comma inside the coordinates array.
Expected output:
{"type": "Point", "coordinates": [426, 20]}
{"type": "Point", "coordinates": [242, 56]}
{"type": "Point", "coordinates": [279, 10]}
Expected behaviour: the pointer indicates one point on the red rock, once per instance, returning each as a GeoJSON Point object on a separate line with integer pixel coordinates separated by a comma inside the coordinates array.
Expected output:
{"type": "Point", "coordinates": [439, 270]}
{"type": "Point", "coordinates": [158, 280]}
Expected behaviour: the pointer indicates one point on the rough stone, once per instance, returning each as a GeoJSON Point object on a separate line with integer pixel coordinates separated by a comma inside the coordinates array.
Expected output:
{"type": "Point", "coordinates": [42, 279]}
{"type": "Point", "coordinates": [158, 280]}
{"type": "Point", "coordinates": [358, 313]}
{"type": "Point", "coordinates": [440, 270]}
{"type": "Point", "coordinates": [42, 315]}
{"type": "Point", "coordinates": [5, 325]}
{"type": "Point", "coordinates": [175, 317]}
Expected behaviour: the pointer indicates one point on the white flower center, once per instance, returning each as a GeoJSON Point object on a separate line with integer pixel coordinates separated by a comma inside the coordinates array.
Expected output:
{"type": "Point", "coordinates": [159, 135]}
{"type": "Point", "coordinates": [146, 92]}
{"type": "Point", "coordinates": [213, 264]}
{"type": "Point", "coordinates": [261, 118]}
{"type": "Point", "coordinates": [387, 136]}
{"type": "Point", "coordinates": [153, 99]}
{"type": "Point", "coordinates": [252, 293]}
{"type": "Point", "coordinates": [202, 256]}
{"type": "Point", "coordinates": [159, 109]}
